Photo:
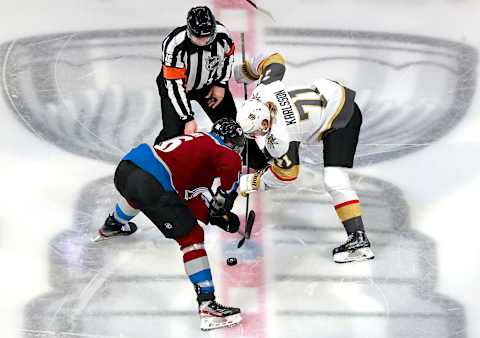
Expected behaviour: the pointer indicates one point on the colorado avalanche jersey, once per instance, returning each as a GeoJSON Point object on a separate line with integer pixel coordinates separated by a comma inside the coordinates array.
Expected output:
{"type": "Point", "coordinates": [188, 165]}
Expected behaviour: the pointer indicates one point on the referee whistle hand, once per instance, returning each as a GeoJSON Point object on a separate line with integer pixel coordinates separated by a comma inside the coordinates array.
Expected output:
{"type": "Point", "coordinates": [190, 127]}
{"type": "Point", "coordinates": [215, 96]}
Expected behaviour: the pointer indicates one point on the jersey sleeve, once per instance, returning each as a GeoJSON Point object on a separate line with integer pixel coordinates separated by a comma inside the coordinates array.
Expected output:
{"type": "Point", "coordinates": [276, 146]}
{"type": "Point", "coordinates": [229, 165]}
{"type": "Point", "coordinates": [284, 169]}
{"type": "Point", "coordinates": [225, 72]}
{"type": "Point", "coordinates": [175, 73]}
{"type": "Point", "coordinates": [265, 67]}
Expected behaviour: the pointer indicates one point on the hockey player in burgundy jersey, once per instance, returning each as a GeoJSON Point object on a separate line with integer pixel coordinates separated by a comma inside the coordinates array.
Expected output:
{"type": "Point", "coordinates": [171, 184]}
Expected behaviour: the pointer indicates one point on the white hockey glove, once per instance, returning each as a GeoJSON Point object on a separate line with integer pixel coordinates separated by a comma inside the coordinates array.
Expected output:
{"type": "Point", "coordinates": [241, 74]}
{"type": "Point", "coordinates": [250, 183]}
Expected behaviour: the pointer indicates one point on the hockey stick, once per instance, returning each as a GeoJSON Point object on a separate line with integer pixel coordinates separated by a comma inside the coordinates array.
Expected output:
{"type": "Point", "coordinates": [261, 10]}
{"type": "Point", "coordinates": [249, 215]}
{"type": "Point", "coordinates": [248, 228]}
{"type": "Point", "coordinates": [242, 46]}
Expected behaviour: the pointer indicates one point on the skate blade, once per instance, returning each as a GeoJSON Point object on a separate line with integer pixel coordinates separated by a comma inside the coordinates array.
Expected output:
{"type": "Point", "coordinates": [358, 255]}
{"type": "Point", "coordinates": [100, 238]}
{"type": "Point", "coordinates": [212, 323]}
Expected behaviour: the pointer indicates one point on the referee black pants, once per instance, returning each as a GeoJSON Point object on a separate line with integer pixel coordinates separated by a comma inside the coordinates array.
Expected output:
{"type": "Point", "coordinates": [173, 126]}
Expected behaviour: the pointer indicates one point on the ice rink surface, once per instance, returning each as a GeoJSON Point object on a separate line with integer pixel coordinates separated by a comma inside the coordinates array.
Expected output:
{"type": "Point", "coordinates": [78, 83]}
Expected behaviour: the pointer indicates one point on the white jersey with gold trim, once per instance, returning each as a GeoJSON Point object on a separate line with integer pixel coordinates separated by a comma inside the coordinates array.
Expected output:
{"type": "Point", "coordinates": [300, 114]}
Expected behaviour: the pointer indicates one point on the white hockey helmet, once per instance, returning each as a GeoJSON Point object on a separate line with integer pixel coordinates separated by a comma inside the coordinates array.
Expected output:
{"type": "Point", "coordinates": [251, 115]}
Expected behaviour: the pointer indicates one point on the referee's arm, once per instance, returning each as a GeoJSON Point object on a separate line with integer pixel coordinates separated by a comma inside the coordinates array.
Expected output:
{"type": "Point", "coordinates": [225, 72]}
{"type": "Point", "coordinates": [175, 73]}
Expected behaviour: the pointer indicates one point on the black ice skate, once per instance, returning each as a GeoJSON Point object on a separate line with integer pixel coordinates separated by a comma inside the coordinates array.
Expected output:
{"type": "Point", "coordinates": [112, 228]}
{"type": "Point", "coordinates": [214, 315]}
{"type": "Point", "coordinates": [356, 248]}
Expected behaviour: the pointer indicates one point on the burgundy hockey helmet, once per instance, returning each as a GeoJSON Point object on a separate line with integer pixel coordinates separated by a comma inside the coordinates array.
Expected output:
{"type": "Point", "coordinates": [201, 23]}
{"type": "Point", "coordinates": [231, 133]}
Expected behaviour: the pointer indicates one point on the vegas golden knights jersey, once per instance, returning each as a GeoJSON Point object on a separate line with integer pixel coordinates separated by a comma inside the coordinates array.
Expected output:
{"type": "Point", "coordinates": [300, 115]}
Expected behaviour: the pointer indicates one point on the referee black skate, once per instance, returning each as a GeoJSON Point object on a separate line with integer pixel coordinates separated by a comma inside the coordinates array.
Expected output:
{"type": "Point", "coordinates": [197, 62]}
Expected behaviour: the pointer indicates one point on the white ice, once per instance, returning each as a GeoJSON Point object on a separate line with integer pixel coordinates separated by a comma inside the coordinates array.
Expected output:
{"type": "Point", "coordinates": [78, 83]}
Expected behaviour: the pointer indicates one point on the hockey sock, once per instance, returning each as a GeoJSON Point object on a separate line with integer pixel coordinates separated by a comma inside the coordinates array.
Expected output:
{"type": "Point", "coordinates": [351, 215]}
{"type": "Point", "coordinates": [345, 199]}
{"type": "Point", "coordinates": [124, 212]}
{"type": "Point", "coordinates": [195, 260]}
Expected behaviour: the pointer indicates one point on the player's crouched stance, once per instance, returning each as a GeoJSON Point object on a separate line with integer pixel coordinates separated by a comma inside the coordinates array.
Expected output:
{"type": "Point", "coordinates": [280, 120]}
{"type": "Point", "coordinates": [170, 184]}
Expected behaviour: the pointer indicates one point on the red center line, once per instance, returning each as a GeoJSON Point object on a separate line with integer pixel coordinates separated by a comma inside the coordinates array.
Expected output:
{"type": "Point", "coordinates": [248, 276]}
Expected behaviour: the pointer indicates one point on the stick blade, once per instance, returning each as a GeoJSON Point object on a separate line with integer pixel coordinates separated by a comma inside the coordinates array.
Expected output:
{"type": "Point", "coordinates": [249, 225]}
{"type": "Point", "coordinates": [240, 243]}
{"type": "Point", "coordinates": [248, 228]}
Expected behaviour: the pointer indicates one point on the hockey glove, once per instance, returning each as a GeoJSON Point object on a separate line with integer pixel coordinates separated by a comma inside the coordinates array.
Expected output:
{"type": "Point", "coordinates": [243, 74]}
{"type": "Point", "coordinates": [250, 183]}
{"type": "Point", "coordinates": [228, 222]}
{"type": "Point", "coordinates": [222, 202]}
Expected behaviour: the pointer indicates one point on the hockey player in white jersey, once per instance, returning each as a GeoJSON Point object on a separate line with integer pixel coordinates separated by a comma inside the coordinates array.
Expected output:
{"type": "Point", "coordinates": [280, 120]}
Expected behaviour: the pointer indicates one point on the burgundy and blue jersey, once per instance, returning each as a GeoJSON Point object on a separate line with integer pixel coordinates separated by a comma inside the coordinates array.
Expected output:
{"type": "Point", "coordinates": [188, 164]}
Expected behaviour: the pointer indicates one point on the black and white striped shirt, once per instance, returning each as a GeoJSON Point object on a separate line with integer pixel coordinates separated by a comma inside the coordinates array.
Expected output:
{"type": "Point", "coordinates": [187, 67]}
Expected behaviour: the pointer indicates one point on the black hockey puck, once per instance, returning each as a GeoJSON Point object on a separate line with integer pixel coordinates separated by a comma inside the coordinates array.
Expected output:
{"type": "Point", "coordinates": [231, 261]}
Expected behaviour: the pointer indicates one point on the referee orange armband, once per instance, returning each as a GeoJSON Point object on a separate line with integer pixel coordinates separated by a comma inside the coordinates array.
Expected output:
{"type": "Point", "coordinates": [173, 73]}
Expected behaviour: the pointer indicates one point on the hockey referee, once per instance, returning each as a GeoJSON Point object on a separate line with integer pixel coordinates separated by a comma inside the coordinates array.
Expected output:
{"type": "Point", "coordinates": [197, 63]}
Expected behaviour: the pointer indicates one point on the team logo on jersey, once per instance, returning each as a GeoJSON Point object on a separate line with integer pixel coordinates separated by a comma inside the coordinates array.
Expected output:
{"type": "Point", "coordinates": [272, 140]}
{"type": "Point", "coordinates": [212, 62]}
{"type": "Point", "coordinates": [251, 116]}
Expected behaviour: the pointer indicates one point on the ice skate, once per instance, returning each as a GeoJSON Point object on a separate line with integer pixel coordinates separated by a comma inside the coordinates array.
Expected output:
{"type": "Point", "coordinates": [355, 249]}
{"type": "Point", "coordinates": [112, 228]}
{"type": "Point", "coordinates": [214, 315]}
